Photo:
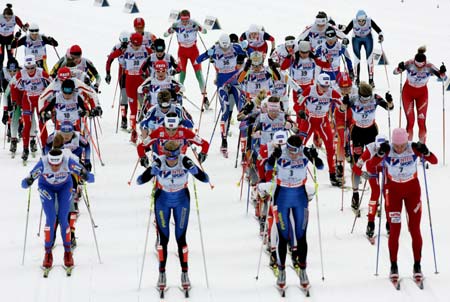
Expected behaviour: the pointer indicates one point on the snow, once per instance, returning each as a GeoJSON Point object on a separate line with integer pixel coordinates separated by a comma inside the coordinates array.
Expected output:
{"type": "Point", "coordinates": [230, 236]}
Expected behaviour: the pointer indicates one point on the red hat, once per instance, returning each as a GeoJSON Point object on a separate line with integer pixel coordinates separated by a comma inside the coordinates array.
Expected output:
{"type": "Point", "coordinates": [64, 74]}
{"type": "Point", "coordinates": [139, 22]}
{"type": "Point", "coordinates": [75, 50]}
{"type": "Point", "coordinates": [161, 65]}
{"type": "Point", "coordinates": [136, 39]}
{"type": "Point", "coordinates": [344, 80]}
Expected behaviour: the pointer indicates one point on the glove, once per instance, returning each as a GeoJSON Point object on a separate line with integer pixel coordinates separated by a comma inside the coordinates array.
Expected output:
{"type": "Point", "coordinates": [5, 117]}
{"type": "Point", "coordinates": [97, 111]}
{"type": "Point", "coordinates": [302, 115]}
{"type": "Point", "coordinates": [380, 38]}
{"type": "Point", "coordinates": [204, 31]}
{"type": "Point", "coordinates": [276, 152]}
{"type": "Point", "coordinates": [189, 164]}
{"type": "Point", "coordinates": [210, 52]}
{"type": "Point", "coordinates": [27, 182]}
{"type": "Point", "coordinates": [442, 69]}
{"type": "Point", "coordinates": [346, 100]}
{"type": "Point", "coordinates": [271, 51]}
{"type": "Point", "coordinates": [88, 166]}
{"type": "Point", "coordinates": [144, 161]}
{"type": "Point", "coordinates": [85, 175]}
{"type": "Point", "coordinates": [384, 147]}
{"type": "Point", "coordinates": [52, 41]}
{"type": "Point", "coordinates": [345, 42]}
{"type": "Point", "coordinates": [202, 157]}
{"type": "Point", "coordinates": [388, 97]}
{"type": "Point", "coordinates": [248, 64]}
{"type": "Point", "coordinates": [244, 44]}
{"type": "Point", "coordinates": [17, 35]}
{"type": "Point", "coordinates": [422, 148]}
{"type": "Point", "coordinates": [401, 66]}
{"type": "Point", "coordinates": [46, 115]}
{"type": "Point", "coordinates": [351, 74]}
{"type": "Point", "coordinates": [124, 45]}
{"type": "Point", "coordinates": [145, 90]}
{"type": "Point", "coordinates": [96, 87]}
{"type": "Point", "coordinates": [156, 165]}
{"type": "Point", "coordinates": [108, 78]}
{"type": "Point", "coordinates": [81, 112]}
{"type": "Point", "coordinates": [166, 34]}
{"type": "Point", "coordinates": [341, 27]}
{"type": "Point", "coordinates": [318, 163]}
{"type": "Point", "coordinates": [313, 153]}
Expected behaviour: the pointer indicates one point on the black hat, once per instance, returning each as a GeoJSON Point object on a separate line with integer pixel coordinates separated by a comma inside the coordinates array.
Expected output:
{"type": "Point", "coordinates": [330, 32]}
{"type": "Point", "coordinates": [160, 45]}
{"type": "Point", "coordinates": [68, 86]}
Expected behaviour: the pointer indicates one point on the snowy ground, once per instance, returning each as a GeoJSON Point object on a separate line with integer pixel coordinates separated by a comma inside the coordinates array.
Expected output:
{"type": "Point", "coordinates": [230, 236]}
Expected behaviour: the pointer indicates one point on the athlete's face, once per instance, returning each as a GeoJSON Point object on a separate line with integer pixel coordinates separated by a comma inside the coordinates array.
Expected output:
{"type": "Point", "coordinates": [139, 29]}
{"type": "Point", "coordinates": [346, 90]}
{"type": "Point", "coordinates": [400, 148]}
{"type": "Point", "coordinates": [362, 21]}
{"type": "Point", "coordinates": [253, 36]}
{"type": "Point", "coordinates": [294, 152]}
{"type": "Point", "coordinates": [7, 17]}
{"type": "Point", "coordinates": [76, 59]}
{"type": "Point", "coordinates": [160, 74]}
{"type": "Point", "coordinates": [55, 168]}
{"type": "Point", "coordinates": [67, 96]}
{"type": "Point", "coordinates": [31, 70]}
{"type": "Point", "coordinates": [322, 88]}
{"type": "Point", "coordinates": [67, 136]}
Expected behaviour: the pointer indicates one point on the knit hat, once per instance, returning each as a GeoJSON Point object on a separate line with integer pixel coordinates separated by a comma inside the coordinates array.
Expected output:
{"type": "Point", "coordinates": [399, 136]}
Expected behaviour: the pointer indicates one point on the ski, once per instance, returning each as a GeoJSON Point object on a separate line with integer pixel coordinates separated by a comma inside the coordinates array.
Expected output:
{"type": "Point", "coordinates": [395, 282]}
{"type": "Point", "coordinates": [161, 290]}
{"type": "Point", "coordinates": [357, 212]}
{"type": "Point", "coordinates": [185, 290]}
{"type": "Point", "coordinates": [305, 289]}
{"type": "Point", "coordinates": [13, 155]}
{"type": "Point", "coordinates": [68, 270]}
{"type": "Point", "coordinates": [281, 290]}
{"type": "Point", "coordinates": [419, 281]}
{"type": "Point", "coordinates": [46, 271]}
{"type": "Point", "coordinates": [24, 162]}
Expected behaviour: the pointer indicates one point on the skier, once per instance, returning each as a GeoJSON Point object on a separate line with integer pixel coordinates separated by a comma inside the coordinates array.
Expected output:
{"type": "Point", "coordinates": [29, 84]}
{"type": "Point", "coordinates": [159, 48]}
{"type": "Point", "coordinates": [362, 36]}
{"type": "Point", "coordinates": [288, 163]}
{"type": "Point", "coordinates": [256, 38]}
{"type": "Point", "coordinates": [171, 131]}
{"type": "Point", "coordinates": [171, 195]}
{"type": "Point", "coordinates": [227, 58]}
{"type": "Point", "coordinates": [415, 90]}
{"type": "Point", "coordinates": [363, 130]}
{"type": "Point", "coordinates": [147, 37]}
{"type": "Point", "coordinates": [283, 51]}
{"type": "Point", "coordinates": [402, 186]}
{"type": "Point", "coordinates": [34, 44]}
{"type": "Point", "coordinates": [186, 30]}
{"type": "Point", "coordinates": [134, 56]}
{"type": "Point", "coordinates": [315, 102]}
{"type": "Point", "coordinates": [11, 113]}
{"type": "Point", "coordinates": [55, 186]}
{"type": "Point", "coordinates": [8, 22]}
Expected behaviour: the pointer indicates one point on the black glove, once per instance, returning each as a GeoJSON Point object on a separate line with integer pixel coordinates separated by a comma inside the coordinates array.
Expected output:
{"type": "Point", "coordinates": [271, 51]}
{"type": "Point", "coordinates": [276, 152]}
{"type": "Point", "coordinates": [97, 111]}
{"type": "Point", "coordinates": [5, 117]}
{"type": "Point", "coordinates": [351, 74]}
{"type": "Point", "coordinates": [272, 64]}
{"type": "Point", "coordinates": [422, 148]}
{"type": "Point", "coordinates": [96, 87]}
{"type": "Point", "coordinates": [401, 66]}
{"type": "Point", "coordinates": [108, 78]}
{"type": "Point", "coordinates": [442, 69]}
{"type": "Point", "coordinates": [124, 45]}
{"type": "Point", "coordinates": [384, 147]}
{"type": "Point", "coordinates": [144, 161]}
{"type": "Point", "coordinates": [302, 114]}
{"type": "Point", "coordinates": [188, 163]}
{"type": "Point", "coordinates": [346, 100]}
{"type": "Point", "coordinates": [313, 153]}
{"type": "Point", "coordinates": [312, 55]}
{"type": "Point", "coordinates": [46, 115]}
{"type": "Point", "coordinates": [17, 34]}
{"type": "Point", "coordinates": [88, 166]}
{"type": "Point", "coordinates": [345, 42]}
{"type": "Point", "coordinates": [52, 41]}
{"type": "Point", "coordinates": [172, 72]}
{"type": "Point", "coordinates": [388, 97]}
{"type": "Point", "coordinates": [81, 112]}
{"type": "Point", "coordinates": [202, 157]}
{"type": "Point", "coordinates": [248, 64]}
{"type": "Point", "coordinates": [380, 38]}
{"type": "Point", "coordinates": [84, 174]}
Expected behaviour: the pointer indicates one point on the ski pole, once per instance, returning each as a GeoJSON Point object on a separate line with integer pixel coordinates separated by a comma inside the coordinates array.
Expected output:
{"type": "Point", "coordinates": [56, 51]}
{"type": "Point", "coordinates": [170, 42]}
{"type": "Point", "coordinates": [214, 129]}
{"type": "Point", "coordinates": [193, 149]}
{"type": "Point", "coordinates": [192, 103]}
{"type": "Point", "coordinates": [201, 39]}
{"type": "Point", "coordinates": [389, 121]}
{"type": "Point", "coordinates": [316, 189]}
{"type": "Point", "coordinates": [385, 68]}
{"type": "Point", "coordinates": [115, 93]}
{"type": "Point", "coordinates": [117, 120]}
{"type": "Point", "coordinates": [93, 225]}
{"type": "Point", "coordinates": [152, 203]}
{"type": "Point", "coordinates": [359, 204]}
{"type": "Point", "coordinates": [383, 176]}
{"type": "Point", "coordinates": [237, 150]}
{"type": "Point", "coordinates": [96, 138]}
{"type": "Point", "coordinates": [248, 197]}
{"type": "Point", "coordinates": [134, 171]}
{"type": "Point", "coordinates": [429, 215]}
{"type": "Point", "coordinates": [272, 188]}
{"type": "Point", "coordinates": [443, 122]}
{"type": "Point", "coordinates": [400, 107]}
{"type": "Point", "coordinates": [93, 143]}
{"type": "Point", "coordinates": [201, 234]}
{"type": "Point", "coordinates": [40, 222]}
{"type": "Point", "coordinates": [26, 226]}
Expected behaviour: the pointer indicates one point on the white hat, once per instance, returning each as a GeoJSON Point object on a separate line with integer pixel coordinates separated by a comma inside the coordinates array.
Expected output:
{"type": "Point", "coordinates": [124, 37]}
{"type": "Point", "coordinates": [29, 61]}
{"type": "Point", "coordinates": [224, 41]}
{"type": "Point", "coordinates": [324, 79]}
{"type": "Point", "coordinates": [55, 157]}
{"type": "Point", "coordinates": [33, 27]}
{"type": "Point", "coordinates": [280, 137]}
{"type": "Point", "coordinates": [304, 46]}
{"type": "Point", "coordinates": [171, 120]}
{"type": "Point", "coordinates": [253, 28]}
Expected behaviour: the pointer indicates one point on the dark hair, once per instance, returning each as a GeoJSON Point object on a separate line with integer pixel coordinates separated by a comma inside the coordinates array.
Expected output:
{"type": "Point", "coordinates": [58, 141]}
{"type": "Point", "coordinates": [8, 10]}
{"type": "Point", "coordinates": [295, 141]}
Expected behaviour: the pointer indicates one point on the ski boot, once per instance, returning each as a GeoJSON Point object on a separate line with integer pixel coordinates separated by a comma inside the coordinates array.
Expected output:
{"type": "Point", "coordinates": [281, 280]}
{"type": "Point", "coordinates": [13, 146]}
{"type": "Point", "coordinates": [370, 230]}
{"type": "Point", "coordinates": [334, 180]}
{"type": "Point", "coordinates": [304, 281]}
{"type": "Point", "coordinates": [185, 283]}
{"type": "Point", "coordinates": [355, 203]}
{"type": "Point", "coordinates": [388, 228]}
{"type": "Point", "coordinates": [162, 281]}
{"type": "Point", "coordinates": [123, 123]}
{"type": "Point", "coordinates": [33, 145]}
{"type": "Point", "coordinates": [68, 259]}
{"type": "Point", "coordinates": [25, 154]}
{"type": "Point", "coordinates": [134, 136]}
{"type": "Point", "coordinates": [393, 275]}
{"type": "Point", "coordinates": [205, 102]}
{"type": "Point", "coordinates": [417, 274]}
{"type": "Point", "coordinates": [339, 170]}
{"type": "Point", "coordinates": [73, 240]}
{"type": "Point", "coordinates": [224, 148]}
{"type": "Point", "coordinates": [48, 260]}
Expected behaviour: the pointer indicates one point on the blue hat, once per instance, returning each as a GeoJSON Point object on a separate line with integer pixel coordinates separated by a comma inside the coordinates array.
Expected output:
{"type": "Point", "coordinates": [66, 127]}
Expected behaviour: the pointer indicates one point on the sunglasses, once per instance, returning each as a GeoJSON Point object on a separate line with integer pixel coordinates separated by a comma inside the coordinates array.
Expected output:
{"type": "Point", "coordinates": [33, 30]}
{"type": "Point", "coordinates": [67, 90]}
{"type": "Point", "coordinates": [30, 68]}
{"type": "Point", "coordinates": [365, 98]}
